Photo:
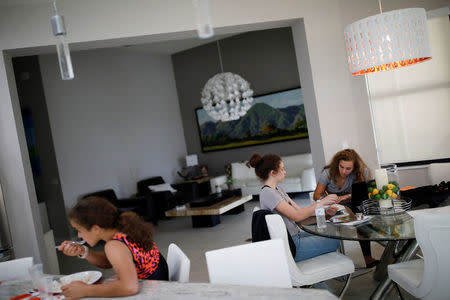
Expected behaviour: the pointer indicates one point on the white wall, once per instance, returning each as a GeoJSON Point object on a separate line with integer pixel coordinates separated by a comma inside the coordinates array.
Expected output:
{"type": "Point", "coordinates": [117, 122]}
{"type": "Point", "coordinates": [411, 106]}
{"type": "Point", "coordinates": [413, 176]}
{"type": "Point", "coordinates": [341, 101]}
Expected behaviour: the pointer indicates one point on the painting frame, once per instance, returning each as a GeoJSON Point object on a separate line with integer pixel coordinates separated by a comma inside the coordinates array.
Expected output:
{"type": "Point", "coordinates": [283, 111]}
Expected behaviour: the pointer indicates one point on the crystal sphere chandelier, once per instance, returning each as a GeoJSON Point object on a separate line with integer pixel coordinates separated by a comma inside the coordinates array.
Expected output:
{"type": "Point", "coordinates": [387, 41]}
{"type": "Point", "coordinates": [226, 96]}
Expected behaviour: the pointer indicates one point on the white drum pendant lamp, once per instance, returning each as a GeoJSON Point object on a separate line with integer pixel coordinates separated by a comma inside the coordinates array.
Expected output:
{"type": "Point", "coordinates": [387, 41]}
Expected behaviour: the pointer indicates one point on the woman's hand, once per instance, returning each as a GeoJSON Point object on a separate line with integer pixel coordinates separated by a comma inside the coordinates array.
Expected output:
{"type": "Point", "coordinates": [331, 211]}
{"type": "Point", "coordinates": [70, 248]}
{"type": "Point", "coordinates": [343, 198]}
{"type": "Point", "coordinates": [329, 200]}
{"type": "Point", "coordinates": [74, 290]}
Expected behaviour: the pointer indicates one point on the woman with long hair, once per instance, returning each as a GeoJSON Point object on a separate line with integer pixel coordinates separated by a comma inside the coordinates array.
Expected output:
{"type": "Point", "coordinates": [129, 249]}
{"type": "Point", "coordinates": [270, 169]}
{"type": "Point", "coordinates": [337, 177]}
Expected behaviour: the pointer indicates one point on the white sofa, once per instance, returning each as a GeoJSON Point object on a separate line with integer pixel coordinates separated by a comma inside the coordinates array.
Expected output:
{"type": "Point", "coordinates": [300, 175]}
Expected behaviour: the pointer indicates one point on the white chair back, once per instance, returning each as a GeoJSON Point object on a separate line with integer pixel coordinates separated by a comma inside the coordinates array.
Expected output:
{"type": "Point", "coordinates": [433, 235]}
{"type": "Point", "coordinates": [15, 269]}
{"type": "Point", "coordinates": [277, 230]}
{"type": "Point", "coordinates": [312, 270]}
{"type": "Point", "coordinates": [178, 263]}
{"type": "Point", "coordinates": [256, 264]}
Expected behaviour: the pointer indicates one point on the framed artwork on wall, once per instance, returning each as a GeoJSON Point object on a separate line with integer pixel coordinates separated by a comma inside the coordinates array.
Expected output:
{"type": "Point", "coordinates": [274, 117]}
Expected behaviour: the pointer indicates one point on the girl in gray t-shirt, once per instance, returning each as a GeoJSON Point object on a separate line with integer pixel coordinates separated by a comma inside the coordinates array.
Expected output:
{"type": "Point", "coordinates": [270, 169]}
{"type": "Point", "coordinates": [337, 177]}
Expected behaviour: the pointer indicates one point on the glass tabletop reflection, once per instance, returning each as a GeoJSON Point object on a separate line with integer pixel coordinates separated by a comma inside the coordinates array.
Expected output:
{"type": "Point", "coordinates": [378, 228]}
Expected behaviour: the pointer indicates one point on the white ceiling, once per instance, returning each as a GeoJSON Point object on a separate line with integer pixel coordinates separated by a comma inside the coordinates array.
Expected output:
{"type": "Point", "coordinates": [21, 2]}
{"type": "Point", "coordinates": [157, 48]}
{"type": "Point", "coordinates": [24, 2]}
{"type": "Point", "coordinates": [177, 42]}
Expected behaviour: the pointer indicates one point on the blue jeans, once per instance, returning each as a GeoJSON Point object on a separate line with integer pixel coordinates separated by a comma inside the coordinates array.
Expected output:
{"type": "Point", "coordinates": [309, 245]}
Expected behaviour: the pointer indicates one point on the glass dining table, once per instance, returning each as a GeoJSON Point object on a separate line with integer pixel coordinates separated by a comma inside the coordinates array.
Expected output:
{"type": "Point", "coordinates": [395, 231]}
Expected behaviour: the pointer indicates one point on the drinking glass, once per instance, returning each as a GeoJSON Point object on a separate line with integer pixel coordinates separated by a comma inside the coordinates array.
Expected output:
{"type": "Point", "coordinates": [36, 273]}
{"type": "Point", "coordinates": [45, 287]}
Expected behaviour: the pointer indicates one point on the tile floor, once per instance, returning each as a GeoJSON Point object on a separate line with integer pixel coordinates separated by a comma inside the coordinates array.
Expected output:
{"type": "Point", "coordinates": [235, 230]}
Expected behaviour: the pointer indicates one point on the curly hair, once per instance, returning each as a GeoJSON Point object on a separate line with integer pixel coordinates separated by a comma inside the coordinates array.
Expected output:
{"type": "Point", "coordinates": [98, 211]}
{"type": "Point", "coordinates": [347, 155]}
{"type": "Point", "coordinates": [264, 164]}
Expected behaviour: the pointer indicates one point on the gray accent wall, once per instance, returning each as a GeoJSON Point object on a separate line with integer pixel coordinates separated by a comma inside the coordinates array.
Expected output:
{"type": "Point", "coordinates": [265, 58]}
{"type": "Point", "coordinates": [117, 122]}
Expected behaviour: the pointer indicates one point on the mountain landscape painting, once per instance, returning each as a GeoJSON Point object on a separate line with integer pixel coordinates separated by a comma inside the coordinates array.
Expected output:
{"type": "Point", "coordinates": [272, 118]}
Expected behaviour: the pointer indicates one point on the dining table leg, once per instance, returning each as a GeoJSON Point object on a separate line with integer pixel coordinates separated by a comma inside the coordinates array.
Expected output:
{"type": "Point", "coordinates": [385, 285]}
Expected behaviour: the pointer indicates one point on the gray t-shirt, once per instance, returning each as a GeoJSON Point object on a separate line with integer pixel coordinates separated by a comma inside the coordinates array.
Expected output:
{"type": "Point", "coordinates": [269, 198]}
{"type": "Point", "coordinates": [332, 187]}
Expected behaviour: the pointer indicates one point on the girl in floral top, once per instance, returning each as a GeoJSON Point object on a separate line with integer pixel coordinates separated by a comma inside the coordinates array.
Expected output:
{"type": "Point", "coordinates": [129, 249]}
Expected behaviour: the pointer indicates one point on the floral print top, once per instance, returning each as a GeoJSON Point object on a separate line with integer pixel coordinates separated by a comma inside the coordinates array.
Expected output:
{"type": "Point", "coordinates": [146, 262]}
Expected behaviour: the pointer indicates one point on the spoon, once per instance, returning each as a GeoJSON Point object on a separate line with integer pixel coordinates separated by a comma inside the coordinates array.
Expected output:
{"type": "Point", "coordinates": [81, 242]}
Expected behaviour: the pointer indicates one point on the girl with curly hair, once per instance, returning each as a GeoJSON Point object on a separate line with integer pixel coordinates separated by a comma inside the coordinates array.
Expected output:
{"type": "Point", "coordinates": [337, 177]}
{"type": "Point", "coordinates": [129, 249]}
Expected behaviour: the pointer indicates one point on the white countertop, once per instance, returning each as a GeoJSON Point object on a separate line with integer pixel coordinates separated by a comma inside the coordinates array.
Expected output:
{"type": "Point", "coordinates": [150, 289]}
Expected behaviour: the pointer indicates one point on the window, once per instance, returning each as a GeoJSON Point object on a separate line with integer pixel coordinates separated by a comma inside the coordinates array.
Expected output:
{"type": "Point", "coordinates": [411, 105]}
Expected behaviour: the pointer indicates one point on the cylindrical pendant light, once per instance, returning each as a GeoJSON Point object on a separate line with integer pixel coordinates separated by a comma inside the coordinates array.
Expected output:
{"type": "Point", "coordinates": [62, 48]}
{"type": "Point", "coordinates": [387, 41]}
{"type": "Point", "coordinates": [203, 19]}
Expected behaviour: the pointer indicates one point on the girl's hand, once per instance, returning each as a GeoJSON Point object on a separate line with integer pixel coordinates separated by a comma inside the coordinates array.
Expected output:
{"type": "Point", "coordinates": [331, 211]}
{"type": "Point", "coordinates": [70, 248]}
{"type": "Point", "coordinates": [343, 198]}
{"type": "Point", "coordinates": [74, 290]}
{"type": "Point", "coordinates": [329, 200]}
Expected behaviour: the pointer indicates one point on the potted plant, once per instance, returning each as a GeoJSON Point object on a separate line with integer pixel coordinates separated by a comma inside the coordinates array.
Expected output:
{"type": "Point", "coordinates": [229, 183]}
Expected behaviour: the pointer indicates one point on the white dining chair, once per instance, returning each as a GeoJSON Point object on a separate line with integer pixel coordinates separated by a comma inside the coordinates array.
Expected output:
{"type": "Point", "coordinates": [178, 263]}
{"type": "Point", "coordinates": [313, 270]}
{"type": "Point", "coordinates": [256, 264]}
{"type": "Point", "coordinates": [16, 268]}
{"type": "Point", "coordinates": [427, 278]}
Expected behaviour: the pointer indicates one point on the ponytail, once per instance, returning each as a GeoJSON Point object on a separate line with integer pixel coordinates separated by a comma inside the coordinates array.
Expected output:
{"type": "Point", "coordinates": [264, 164]}
{"type": "Point", "coordinates": [136, 228]}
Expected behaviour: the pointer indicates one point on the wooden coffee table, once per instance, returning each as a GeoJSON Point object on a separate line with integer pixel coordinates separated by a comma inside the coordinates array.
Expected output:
{"type": "Point", "coordinates": [208, 216]}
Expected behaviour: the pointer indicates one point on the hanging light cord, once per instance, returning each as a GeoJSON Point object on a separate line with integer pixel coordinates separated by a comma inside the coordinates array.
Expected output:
{"type": "Point", "coordinates": [54, 7]}
{"type": "Point", "coordinates": [379, 4]}
{"type": "Point", "coordinates": [220, 56]}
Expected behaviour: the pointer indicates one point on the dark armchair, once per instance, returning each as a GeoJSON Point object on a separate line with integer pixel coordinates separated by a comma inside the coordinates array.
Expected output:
{"type": "Point", "coordinates": [143, 206]}
{"type": "Point", "coordinates": [165, 200]}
